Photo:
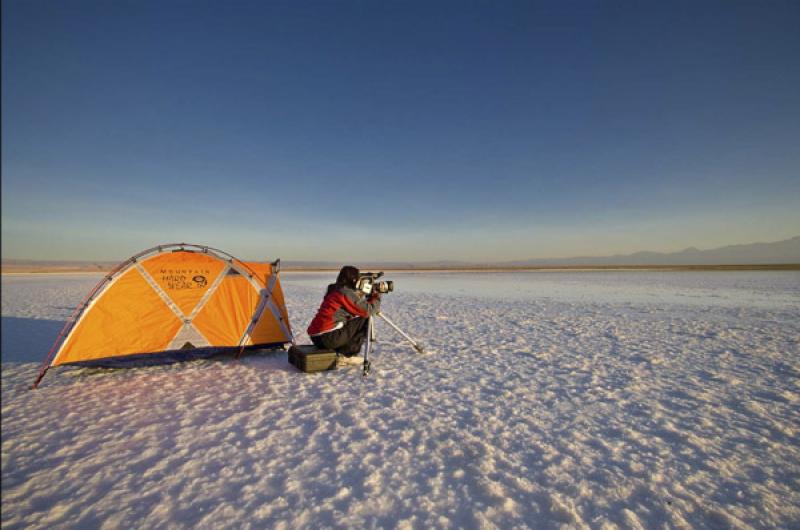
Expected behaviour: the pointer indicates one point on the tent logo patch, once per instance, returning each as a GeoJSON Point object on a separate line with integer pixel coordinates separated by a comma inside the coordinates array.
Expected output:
{"type": "Point", "coordinates": [181, 279]}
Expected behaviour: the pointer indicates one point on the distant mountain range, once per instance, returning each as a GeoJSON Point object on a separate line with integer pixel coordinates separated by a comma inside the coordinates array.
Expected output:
{"type": "Point", "coordinates": [776, 253]}
{"type": "Point", "coordinates": [779, 252]}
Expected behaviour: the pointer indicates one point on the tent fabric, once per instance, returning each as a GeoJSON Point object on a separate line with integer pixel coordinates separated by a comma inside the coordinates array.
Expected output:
{"type": "Point", "coordinates": [176, 297]}
{"type": "Point", "coordinates": [118, 323]}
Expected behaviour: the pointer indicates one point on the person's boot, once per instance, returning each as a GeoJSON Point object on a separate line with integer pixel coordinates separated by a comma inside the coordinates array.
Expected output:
{"type": "Point", "coordinates": [349, 360]}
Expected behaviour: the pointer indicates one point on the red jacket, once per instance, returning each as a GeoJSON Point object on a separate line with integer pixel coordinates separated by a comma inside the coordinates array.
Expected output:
{"type": "Point", "coordinates": [340, 305]}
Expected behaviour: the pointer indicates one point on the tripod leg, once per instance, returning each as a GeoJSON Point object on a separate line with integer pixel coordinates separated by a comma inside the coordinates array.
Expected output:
{"type": "Point", "coordinates": [394, 326]}
{"type": "Point", "coordinates": [368, 349]}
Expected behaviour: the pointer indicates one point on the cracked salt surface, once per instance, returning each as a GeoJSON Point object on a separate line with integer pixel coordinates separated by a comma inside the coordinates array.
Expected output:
{"type": "Point", "coordinates": [585, 400]}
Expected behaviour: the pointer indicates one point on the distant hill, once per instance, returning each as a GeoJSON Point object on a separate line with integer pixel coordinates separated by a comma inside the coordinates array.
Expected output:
{"type": "Point", "coordinates": [375, 265]}
{"type": "Point", "coordinates": [785, 252]}
{"type": "Point", "coordinates": [779, 252]}
{"type": "Point", "coordinates": [30, 265]}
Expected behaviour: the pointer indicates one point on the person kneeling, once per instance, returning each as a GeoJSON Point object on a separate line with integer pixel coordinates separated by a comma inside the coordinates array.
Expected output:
{"type": "Point", "coordinates": [341, 320]}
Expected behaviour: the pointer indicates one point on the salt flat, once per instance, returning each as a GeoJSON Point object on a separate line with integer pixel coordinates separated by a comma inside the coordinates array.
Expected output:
{"type": "Point", "coordinates": [579, 400]}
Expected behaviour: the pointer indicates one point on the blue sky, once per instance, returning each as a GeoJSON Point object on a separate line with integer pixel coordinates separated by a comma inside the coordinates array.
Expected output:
{"type": "Point", "coordinates": [398, 130]}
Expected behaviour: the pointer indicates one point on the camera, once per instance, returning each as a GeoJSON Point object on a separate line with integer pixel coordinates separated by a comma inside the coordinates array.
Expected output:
{"type": "Point", "coordinates": [367, 283]}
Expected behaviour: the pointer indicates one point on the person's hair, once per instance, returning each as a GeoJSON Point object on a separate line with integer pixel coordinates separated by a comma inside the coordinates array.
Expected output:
{"type": "Point", "coordinates": [348, 277]}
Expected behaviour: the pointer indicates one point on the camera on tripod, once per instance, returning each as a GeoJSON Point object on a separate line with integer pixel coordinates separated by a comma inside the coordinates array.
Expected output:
{"type": "Point", "coordinates": [367, 283]}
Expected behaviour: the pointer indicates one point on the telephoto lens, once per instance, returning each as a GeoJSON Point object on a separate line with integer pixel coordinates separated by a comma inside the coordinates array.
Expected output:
{"type": "Point", "coordinates": [383, 287]}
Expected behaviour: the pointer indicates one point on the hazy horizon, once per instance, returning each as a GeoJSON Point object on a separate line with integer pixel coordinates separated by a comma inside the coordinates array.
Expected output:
{"type": "Point", "coordinates": [397, 132]}
{"type": "Point", "coordinates": [322, 260]}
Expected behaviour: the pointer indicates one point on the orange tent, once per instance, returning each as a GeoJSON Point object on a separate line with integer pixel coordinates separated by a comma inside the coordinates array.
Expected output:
{"type": "Point", "coordinates": [174, 302]}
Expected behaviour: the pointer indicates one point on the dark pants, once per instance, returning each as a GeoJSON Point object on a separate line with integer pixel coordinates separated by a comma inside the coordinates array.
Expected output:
{"type": "Point", "coordinates": [346, 340]}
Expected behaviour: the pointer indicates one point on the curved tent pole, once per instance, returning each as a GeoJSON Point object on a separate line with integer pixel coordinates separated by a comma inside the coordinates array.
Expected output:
{"type": "Point", "coordinates": [108, 277]}
{"type": "Point", "coordinates": [74, 318]}
{"type": "Point", "coordinates": [82, 307]}
{"type": "Point", "coordinates": [275, 268]}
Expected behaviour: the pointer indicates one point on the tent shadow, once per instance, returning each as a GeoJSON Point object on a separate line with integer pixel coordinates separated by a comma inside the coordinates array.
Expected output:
{"type": "Point", "coordinates": [26, 340]}
{"type": "Point", "coordinates": [273, 360]}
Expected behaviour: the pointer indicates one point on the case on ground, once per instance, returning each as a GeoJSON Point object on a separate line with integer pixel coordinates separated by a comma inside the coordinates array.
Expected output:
{"type": "Point", "coordinates": [308, 358]}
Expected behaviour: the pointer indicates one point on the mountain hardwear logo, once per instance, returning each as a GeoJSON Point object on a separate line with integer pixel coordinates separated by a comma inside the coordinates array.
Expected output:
{"type": "Point", "coordinates": [176, 281]}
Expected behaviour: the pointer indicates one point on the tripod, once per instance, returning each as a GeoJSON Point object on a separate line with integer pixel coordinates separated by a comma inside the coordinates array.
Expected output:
{"type": "Point", "coordinates": [371, 338]}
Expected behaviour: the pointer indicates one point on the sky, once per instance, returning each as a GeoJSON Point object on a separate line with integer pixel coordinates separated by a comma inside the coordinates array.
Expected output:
{"type": "Point", "coordinates": [359, 130]}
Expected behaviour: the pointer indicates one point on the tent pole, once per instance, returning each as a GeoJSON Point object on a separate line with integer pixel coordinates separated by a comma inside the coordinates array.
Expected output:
{"type": "Point", "coordinates": [38, 379]}
{"type": "Point", "coordinates": [71, 321]}
{"type": "Point", "coordinates": [68, 326]}
{"type": "Point", "coordinates": [78, 311]}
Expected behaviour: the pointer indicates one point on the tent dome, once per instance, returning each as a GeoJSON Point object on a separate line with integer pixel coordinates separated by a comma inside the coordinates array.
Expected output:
{"type": "Point", "coordinates": [173, 302]}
